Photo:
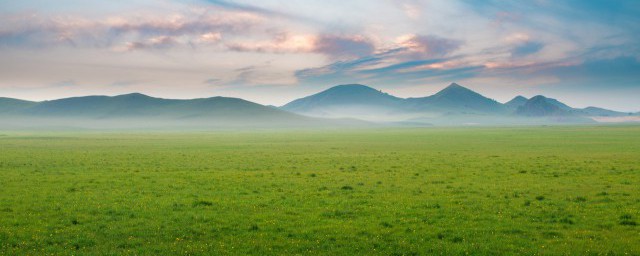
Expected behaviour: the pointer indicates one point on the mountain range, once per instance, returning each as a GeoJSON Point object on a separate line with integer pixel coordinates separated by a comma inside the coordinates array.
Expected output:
{"type": "Point", "coordinates": [454, 104]}
{"type": "Point", "coordinates": [342, 105]}
{"type": "Point", "coordinates": [139, 111]}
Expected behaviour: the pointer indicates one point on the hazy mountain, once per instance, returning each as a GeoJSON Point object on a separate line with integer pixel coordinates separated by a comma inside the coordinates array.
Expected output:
{"type": "Point", "coordinates": [516, 102]}
{"type": "Point", "coordinates": [141, 111]}
{"type": "Point", "coordinates": [453, 105]}
{"type": "Point", "coordinates": [594, 111]}
{"type": "Point", "coordinates": [349, 100]}
{"type": "Point", "coordinates": [345, 105]}
{"type": "Point", "coordinates": [558, 104]}
{"type": "Point", "coordinates": [457, 99]}
{"type": "Point", "coordinates": [8, 105]}
{"type": "Point", "coordinates": [543, 106]}
{"type": "Point", "coordinates": [363, 102]}
{"type": "Point", "coordinates": [347, 94]}
{"type": "Point", "coordinates": [135, 104]}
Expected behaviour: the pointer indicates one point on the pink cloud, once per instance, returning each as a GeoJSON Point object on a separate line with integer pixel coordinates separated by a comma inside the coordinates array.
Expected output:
{"type": "Point", "coordinates": [429, 46]}
{"type": "Point", "coordinates": [334, 46]}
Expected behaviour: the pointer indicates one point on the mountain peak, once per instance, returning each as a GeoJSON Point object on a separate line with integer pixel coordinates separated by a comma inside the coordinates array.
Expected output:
{"type": "Point", "coordinates": [455, 85]}
{"type": "Point", "coordinates": [538, 98]}
{"type": "Point", "coordinates": [541, 106]}
{"type": "Point", "coordinates": [517, 101]}
{"type": "Point", "coordinates": [341, 96]}
{"type": "Point", "coordinates": [132, 95]}
{"type": "Point", "coordinates": [459, 99]}
{"type": "Point", "coordinates": [519, 98]}
{"type": "Point", "coordinates": [350, 88]}
{"type": "Point", "coordinates": [455, 89]}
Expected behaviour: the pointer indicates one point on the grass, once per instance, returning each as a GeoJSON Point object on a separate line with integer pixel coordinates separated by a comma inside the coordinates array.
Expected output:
{"type": "Point", "coordinates": [528, 190]}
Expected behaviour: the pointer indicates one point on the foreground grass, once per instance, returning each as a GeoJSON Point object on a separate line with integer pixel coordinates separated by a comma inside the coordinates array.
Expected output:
{"type": "Point", "coordinates": [536, 190]}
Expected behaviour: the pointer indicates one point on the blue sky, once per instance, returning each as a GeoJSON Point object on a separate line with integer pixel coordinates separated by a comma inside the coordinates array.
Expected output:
{"type": "Point", "coordinates": [273, 51]}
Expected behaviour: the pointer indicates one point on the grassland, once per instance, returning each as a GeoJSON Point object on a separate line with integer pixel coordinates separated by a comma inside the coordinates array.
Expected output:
{"type": "Point", "coordinates": [527, 190]}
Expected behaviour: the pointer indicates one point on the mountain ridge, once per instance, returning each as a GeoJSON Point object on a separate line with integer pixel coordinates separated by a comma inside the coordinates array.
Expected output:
{"type": "Point", "coordinates": [457, 98]}
{"type": "Point", "coordinates": [454, 102]}
{"type": "Point", "coordinates": [453, 105]}
{"type": "Point", "coordinates": [139, 110]}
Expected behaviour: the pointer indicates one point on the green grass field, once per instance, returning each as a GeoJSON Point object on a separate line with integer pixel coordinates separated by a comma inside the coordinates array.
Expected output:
{"type": "Point", "coordinates": [524, 190]}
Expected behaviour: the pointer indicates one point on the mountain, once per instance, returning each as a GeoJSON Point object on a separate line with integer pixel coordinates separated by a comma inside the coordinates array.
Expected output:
{"type": "Point", "coordinates": [558, 104]}
{"type": "Point", "coordinates": [543, 106]}
{"type": "Point", "coordinates": [8, 105]}
{"type": "Point", "coordinates": [453, 105]}
{"type": "Point", "coordinates": [363, 102]}
{"type": "Point", "coordinates": [516, 102]}
{"type": "Point", "coordinates": [141, 111]}
{"type": "Point", "coordinates": [349, 100]}
{"type": "Point", "coordinates": [340, 106]}
{"type": "Point", "coordinates": [457, 99]}
{"type": "Point", "coordinates": [594, 111]}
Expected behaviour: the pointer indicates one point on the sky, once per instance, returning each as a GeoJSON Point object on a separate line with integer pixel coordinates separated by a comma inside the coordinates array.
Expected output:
{"type": "Point", "coordinates": [584, 53]}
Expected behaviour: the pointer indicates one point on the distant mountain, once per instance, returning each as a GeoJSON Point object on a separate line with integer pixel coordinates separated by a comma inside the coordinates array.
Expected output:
{"type": "Point", "coordinates": [553, 111]}
{"type": "Point", "coordinates": [558, 104]}
{"type": "Point", "coordinates": [363, 102]}
{"type": "Point", "coordinates": [541, 106]}
{"type": "Point", "coordinates": [349, 100]}
{"type": "Point", "coordinates": [594, 111]}
{"type": "Point", "coordinates": [457, 99]}
{"type": "Point", "coordinates": [139, 110]}
{"type": "Point", "coordinates": [135, 104]}
{"type": "Point", "coordinates": [348, 94]}
{"type": "Point", "coordinates": [516, 102]}
{"type": "Point", "coordinates": [8, 105]}
{"type": "Point", "coordinates": [342, 105]}
{"type": "Point", "coordinates": [453, 105]}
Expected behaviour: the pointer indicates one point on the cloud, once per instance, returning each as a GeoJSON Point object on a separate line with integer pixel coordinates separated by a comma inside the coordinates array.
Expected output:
{"type": "Point", "coordinates": [427, 46]}
{"type": "Point", "coordinates": [411, 57]}
{"type": "Point", "coordinates": [212, 81]}
{"type": "Point", "coordinates": [211, 37]}
{"type": "Point", "coordinates": [619, 71]}
{"type": "Point", "coordinates": [192, 27]}
{"type": "Point", "coordinates": [340, 47]}
{"type": "Point", "coordinates": [527, 48]}
{"type": "Point", "coordinates": [65, 83]}
{"type": "Point", "coordinates": [264, 74]}
{"type": "Point", "coordinates": [228, 5]}
{"type": "Point", "coordinates": [381, 69]}
{"type": "Point", "coordinates": [159, 42]}
{"type": "Point", "coordinates": [333, 46]}
{"type": "Point", "coordinates": [281, 43]}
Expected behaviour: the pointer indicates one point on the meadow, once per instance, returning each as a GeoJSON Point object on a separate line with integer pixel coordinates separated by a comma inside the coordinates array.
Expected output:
{"type": "Point", "coordinates": [518, 190]}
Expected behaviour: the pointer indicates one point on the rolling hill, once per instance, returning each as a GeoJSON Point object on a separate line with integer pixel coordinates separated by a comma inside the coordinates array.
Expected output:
{"type": "Point", "coordinates": [456, 99]}
{"type": "Point", "coordinates": [595, 111]}
{"type": "Point", "coordinates": [349, 100]}
{"type": "Point", "coordinates": [339, 106]}
{"type": "Point", "coordinates": [515, 103]}
{"type": "Point", "coordinates": [542, 106]}
{"type": "Point", "coordinates": [141, 111]}
{"type": "Point", "coordinates": [9, 105]}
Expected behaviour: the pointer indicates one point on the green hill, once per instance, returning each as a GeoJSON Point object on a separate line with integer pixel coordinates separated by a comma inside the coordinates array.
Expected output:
{"type": "Point", "coordinates": [141, 111]}
{"type": "Point", "coordinates": [515, 103]}
{"type": "Point", "coordinates": [457, 99]}
{"type": "Point", "coordinates": [9, 105]}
